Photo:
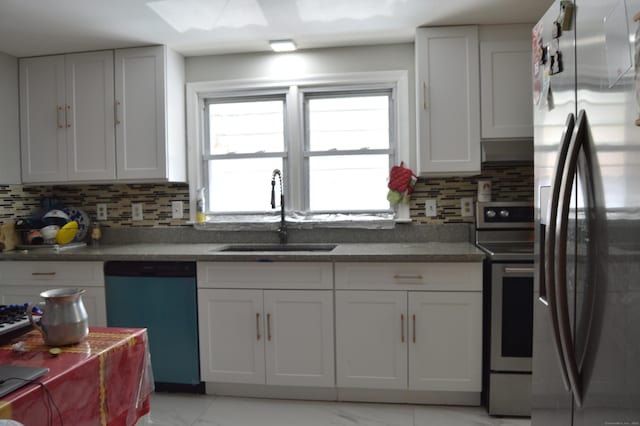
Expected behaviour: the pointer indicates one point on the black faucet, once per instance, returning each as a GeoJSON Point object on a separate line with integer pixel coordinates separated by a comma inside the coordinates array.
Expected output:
{"type": "Point", "coordinates": [282, 230]}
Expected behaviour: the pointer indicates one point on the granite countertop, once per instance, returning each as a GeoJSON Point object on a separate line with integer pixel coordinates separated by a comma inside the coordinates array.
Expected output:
{"type": "Point", "coordinates": [355, 252]}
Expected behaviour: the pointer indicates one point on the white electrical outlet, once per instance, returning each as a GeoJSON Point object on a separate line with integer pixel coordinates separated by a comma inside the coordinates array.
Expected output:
{"type": "Point", "coordinates": [101, 211]}
{"type": "Point", "coordinates": [176, 210]}
{"type": "Point", "coordinates": [430, 207]}
{"type": "Point", "coordinates": [136, 211]}
{"type": "Point", "coordinates": [466, 206]}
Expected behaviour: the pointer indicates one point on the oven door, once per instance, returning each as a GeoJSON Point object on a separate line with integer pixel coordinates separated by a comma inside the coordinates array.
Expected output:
{"type": "Point", "coordinates": [511, 316]}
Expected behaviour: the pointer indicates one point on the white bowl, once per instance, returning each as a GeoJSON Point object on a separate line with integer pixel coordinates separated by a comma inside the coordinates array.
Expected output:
{"type": "Point", "coordinates": [49, 232]}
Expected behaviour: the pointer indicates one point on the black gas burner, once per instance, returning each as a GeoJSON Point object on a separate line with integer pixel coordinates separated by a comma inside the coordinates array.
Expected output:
{"type": "Point", "coordinates": [13, 321]}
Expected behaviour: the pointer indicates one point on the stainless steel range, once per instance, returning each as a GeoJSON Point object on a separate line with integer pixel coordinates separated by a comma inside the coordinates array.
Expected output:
{"type": "Point", "coordinates": [504, 230]}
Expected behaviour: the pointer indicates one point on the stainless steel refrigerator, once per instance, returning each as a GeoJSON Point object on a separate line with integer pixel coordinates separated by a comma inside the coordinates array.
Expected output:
{"type": "Point", "coordinates": [586, 85]}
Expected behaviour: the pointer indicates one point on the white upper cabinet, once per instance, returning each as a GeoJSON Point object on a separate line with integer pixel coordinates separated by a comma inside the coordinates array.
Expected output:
{"type": "Point", "coordinates": [89, 116]}
{"type": "Point", "coordinates": [9, 130]}
{"type": "Point", "coordinates": [505, 70]}
{"type": "Point", "coordinates": [447, 100]}
{"type": "Point", "coordinates": [74, 130]}
{"type": "Point", "coordinates": [66, 118]}
{"type": "Point", "coordinates": [150, 117]}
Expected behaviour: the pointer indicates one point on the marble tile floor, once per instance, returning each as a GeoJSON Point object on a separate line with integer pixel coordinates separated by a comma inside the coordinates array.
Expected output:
{"type": "Point", "coordinates": [170, 409]}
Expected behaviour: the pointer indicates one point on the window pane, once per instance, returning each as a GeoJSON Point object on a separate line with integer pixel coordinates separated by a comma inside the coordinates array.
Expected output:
{"type": "Point", "coordinates": [348, 123]}
{"type": "Point", "coordinates": [246, 127]}
{"type": "Point", "coordinates": [348, 182]}
{"type": "Point", "coordinates": [241, 185]}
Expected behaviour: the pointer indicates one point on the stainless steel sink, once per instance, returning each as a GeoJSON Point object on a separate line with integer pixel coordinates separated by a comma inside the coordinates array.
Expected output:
{"type": "Point", "coordinates": [243, 248]}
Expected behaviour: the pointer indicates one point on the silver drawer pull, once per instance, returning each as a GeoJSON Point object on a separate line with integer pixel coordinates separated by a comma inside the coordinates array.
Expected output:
{"type": "Point", "coordinates": [258, 326]}
{"type": "Point", "coordinates": [515, 270]}
{"type": "Point", "coordinates": [47, 274]}
{"type": "Point", "coordinates": [407, 277]}
{"type": "Point", "coordinates": [414, 328]}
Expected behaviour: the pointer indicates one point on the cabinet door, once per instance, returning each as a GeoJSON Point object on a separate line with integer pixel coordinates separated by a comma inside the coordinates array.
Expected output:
{"type": "Point", "coordinates": [445, 347]}
{"type": "Point", "coordinates": [371, 339]}
{"type": "Point", "coordinates": [507, 106]}
{"type": "Point", "coordinates": [90, 116]}
{"type": "Point", "coordinates": [448, 100]}
{"type": "Point", "coordinates": [140, 113]}
{"type": "Point", "coordinates": [42, 119]}
{"type": "Point", "coordinates": [231, 336]}
{"type": "Point", "coordinates": [299, 337]}
{"type": "Point", "coordinates": [9, 121]}
{"type": "Point", "coordinates": [93, 300]}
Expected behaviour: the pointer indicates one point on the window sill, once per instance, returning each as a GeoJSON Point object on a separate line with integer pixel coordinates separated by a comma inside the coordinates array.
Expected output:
{"type": "Point", "coordinates": [298, 221]}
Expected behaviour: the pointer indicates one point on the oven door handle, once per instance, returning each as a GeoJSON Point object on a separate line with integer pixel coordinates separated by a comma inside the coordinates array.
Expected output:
{"type": "Point", "coordinates": [511, 270]}
{"type": "Point", "coordinates": [550, 248]}
{"type": "Point", "coordinates": [566, 186]}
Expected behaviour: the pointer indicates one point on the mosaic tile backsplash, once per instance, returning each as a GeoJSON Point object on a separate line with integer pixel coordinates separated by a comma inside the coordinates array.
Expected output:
{"type": "Point", "coordinates": [509, 182]}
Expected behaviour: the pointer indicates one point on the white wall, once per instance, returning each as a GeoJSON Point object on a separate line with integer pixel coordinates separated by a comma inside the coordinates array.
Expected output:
{"type": "Point", "coordinates": [308, 62]}
{"type": "Point", "coordinates": [9, 124]}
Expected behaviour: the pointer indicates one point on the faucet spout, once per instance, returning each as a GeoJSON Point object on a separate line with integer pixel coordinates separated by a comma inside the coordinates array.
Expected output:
{"type": "Point", "coordinates": [282, 230]}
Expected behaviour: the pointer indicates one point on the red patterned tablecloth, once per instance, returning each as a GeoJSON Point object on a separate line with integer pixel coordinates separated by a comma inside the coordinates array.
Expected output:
{"type": "Point", "coordinates": [104, 380]}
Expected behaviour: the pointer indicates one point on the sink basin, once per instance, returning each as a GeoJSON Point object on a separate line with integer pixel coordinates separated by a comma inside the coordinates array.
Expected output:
{"type": "Point", "coordinates": [276, 247]}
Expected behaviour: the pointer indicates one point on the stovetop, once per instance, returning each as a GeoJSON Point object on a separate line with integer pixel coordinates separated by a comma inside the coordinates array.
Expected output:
{"type": "Point", "coordinates": [504, 230]}
{"type": "Point", "coordinates": [512, 250]}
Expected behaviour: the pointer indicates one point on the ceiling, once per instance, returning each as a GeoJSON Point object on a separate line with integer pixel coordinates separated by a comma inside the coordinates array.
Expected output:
{"type": "Point", "coordinates": [201, 27]}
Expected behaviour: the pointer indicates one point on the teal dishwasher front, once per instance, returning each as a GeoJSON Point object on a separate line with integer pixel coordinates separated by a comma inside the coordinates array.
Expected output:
{"type": "Point", "coordinates": [162, 297]}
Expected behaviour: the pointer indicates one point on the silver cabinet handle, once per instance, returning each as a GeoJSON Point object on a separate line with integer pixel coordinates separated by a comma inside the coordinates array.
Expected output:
{"type": "Point", "coordinates": [414, 327]}
{"type": "Point", "coordinates": [269, 327]}
{"type": "Point", "coordinates": [402, 328]}
{"type": "Point", "coordinates": [550, 247]}
{"type": "Point", "coordinates": [407, 277]}
{"type": "Point", "coordinates": [46, 274]}
{"type": "Point", "coordinates": [67, 119]}
{"type": "Point", "coordinates": [258, 326]}
{"type": "Point", "coordinates": [424, 95]}
{"type": "Point", "coordinates": [562, 307]}
{"type": "Point", "coordinates": [59, 110]}
{"type": "Point", "coordinates": [115, 107]}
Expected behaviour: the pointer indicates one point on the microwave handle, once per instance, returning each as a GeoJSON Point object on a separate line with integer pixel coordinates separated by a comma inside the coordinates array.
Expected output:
{"type": "Point", "coordinates": [549, 248]}
{"type": "Point", "coordinates": [566, 186]}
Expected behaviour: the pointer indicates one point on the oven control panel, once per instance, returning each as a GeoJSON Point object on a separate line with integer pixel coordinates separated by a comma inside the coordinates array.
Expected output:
{"type": "Point", "coordinates": [504, 215]}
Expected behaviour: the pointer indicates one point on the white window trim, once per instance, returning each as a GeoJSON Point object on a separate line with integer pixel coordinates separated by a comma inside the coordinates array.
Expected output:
{"type": "Point", "coordinates": [196, 92]}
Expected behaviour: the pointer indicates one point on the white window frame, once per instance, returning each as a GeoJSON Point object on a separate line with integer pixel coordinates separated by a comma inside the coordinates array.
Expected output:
{"type": "Point", "coordinates": [197, 92]}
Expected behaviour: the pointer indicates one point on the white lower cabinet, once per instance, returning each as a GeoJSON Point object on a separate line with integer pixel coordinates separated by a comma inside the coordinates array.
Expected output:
{"type": "Point", "coordinates": [266, 335]}
{"type": "Point", "coordinates": [23, 281]}
{"type": "Point", "coordinates": [404, 339]}
{"type": "Point", "coordinates": [371, 339]}
{"type": "Point", "coordinates": [445, 344]}
{"type": "Point", "coordinates": [93, 300]}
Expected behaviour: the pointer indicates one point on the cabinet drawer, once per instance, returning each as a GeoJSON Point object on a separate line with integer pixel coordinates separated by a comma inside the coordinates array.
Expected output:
{"type": "Point", "coordinates": [52, 274]}
{"type": "Point", "coordinates": [409, 276]}
{"type": "Point", "coordinates": [280, 275]}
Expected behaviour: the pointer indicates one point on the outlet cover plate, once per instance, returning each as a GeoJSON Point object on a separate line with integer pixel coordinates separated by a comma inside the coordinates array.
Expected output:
{"type": "Point", "coordinates": [136, 211]}
{"type": "Point", "coordinates": [177, 209]}
{"type": "Point", "coordinates": [466, 206]}
{"type": "Point", "coordinates": [101, 211]}
{"type": "Point", "coordinates": [430, 207]}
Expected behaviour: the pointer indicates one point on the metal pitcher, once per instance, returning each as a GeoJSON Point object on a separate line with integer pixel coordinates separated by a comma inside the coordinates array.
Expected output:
{"type": "Point", "coordinates": [64, 320]}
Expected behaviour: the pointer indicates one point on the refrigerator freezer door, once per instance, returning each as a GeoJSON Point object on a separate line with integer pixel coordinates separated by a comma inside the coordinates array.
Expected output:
{"type": "Point", "coordinates": [608, 231]}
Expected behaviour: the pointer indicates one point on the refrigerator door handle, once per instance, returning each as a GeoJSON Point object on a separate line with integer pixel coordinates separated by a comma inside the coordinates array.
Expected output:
{"type": "Point", "coordinates": [566, 186]}
{"type": "Point", "coordinates": [549, 249]}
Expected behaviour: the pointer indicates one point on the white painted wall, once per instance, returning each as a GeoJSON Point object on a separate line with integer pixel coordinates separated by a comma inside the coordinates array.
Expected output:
{"type": "Point", "coordinates": [308, 62]}
{"type": "Point", "coordinates": [9, 124]}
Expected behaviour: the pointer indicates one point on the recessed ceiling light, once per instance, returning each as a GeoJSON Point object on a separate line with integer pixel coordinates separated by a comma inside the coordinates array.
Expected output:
{"type": "Point", "coordinates": [283, 45]}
